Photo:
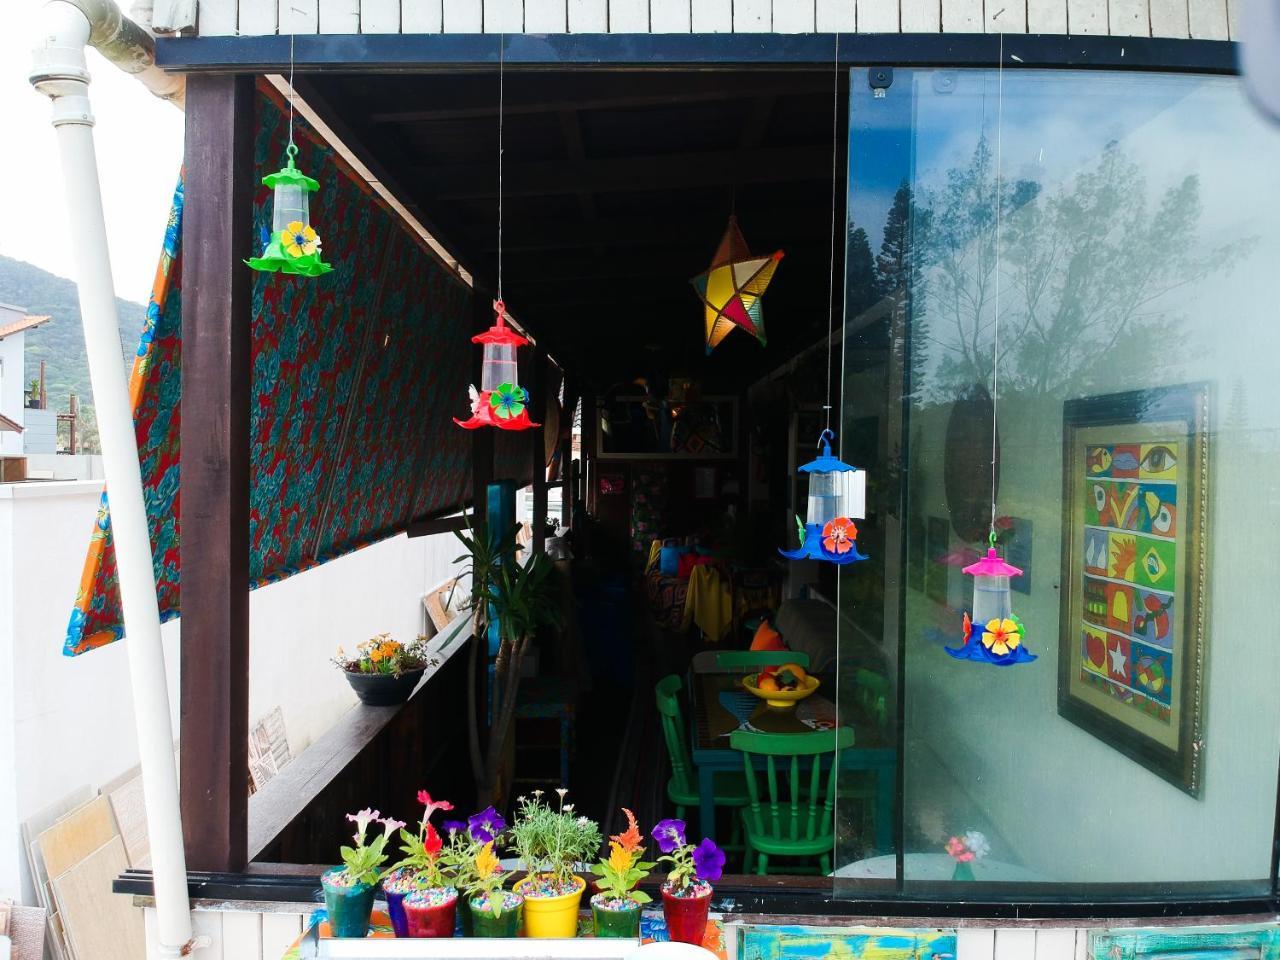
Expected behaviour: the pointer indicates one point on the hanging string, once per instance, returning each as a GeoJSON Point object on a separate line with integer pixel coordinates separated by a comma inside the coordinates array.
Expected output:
{"type": "Point", "coordinates": [831, 269]}
{"type": "Point", "coordinates": [292, 148]}
{"type": "Point", "coordinates": [501, 120]}
{"type": "Point", "coordinates": [995, 360]}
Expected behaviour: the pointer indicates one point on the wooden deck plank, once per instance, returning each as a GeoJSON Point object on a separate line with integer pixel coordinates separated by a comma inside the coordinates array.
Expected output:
{"type": "Point", "coordinates": [834, 16]}
{"type": "Point", "coordinates": [1087, 16]}
{"type": "Point", "coordinates": [877, 16]}
{"type": "Point", "coordinates": [1207, 19]}
{"type": "Point", "coordinates": [463, 16]}
{"type": "Point", "coordinates": [921, 16]}
{"type": "Point", "coordinates": [421, 16]}
{"type": "Point", "coordinates": [1047, 16]}
{"type": "Point", "coordinates": [1169, 19]}
{"type": "Point", "coordinates": [546, 16]}
{"type": "Point", "coordinates": [217, 18]}
{"type": "Point", "coordinates": [1129, 18]}
{"type": "Point", "coordinates": [752, 16]}
{"type": "Point", "coordinates": [503, 16]}
{"type": "Point", "coordinates": [299, 16]}
{"type": "Point", "coordinates": [962, 16]}
{"type": "Point", "coordinates": [628, 16]}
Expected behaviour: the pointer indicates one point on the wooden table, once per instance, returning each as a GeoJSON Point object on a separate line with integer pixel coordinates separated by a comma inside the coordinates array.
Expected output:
{"type": "Point", "coordinates": [719, 705]}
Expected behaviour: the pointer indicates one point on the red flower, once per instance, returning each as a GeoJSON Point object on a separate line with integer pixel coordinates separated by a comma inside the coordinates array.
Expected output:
{"type": "Point", "coordinates": [431, 841]}
{"type": "Point", "coordinates": [839, 535]}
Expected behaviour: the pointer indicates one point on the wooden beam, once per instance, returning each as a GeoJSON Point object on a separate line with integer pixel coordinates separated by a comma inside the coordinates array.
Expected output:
{"type": "Point", "coordinates": [538, 450]}
{"type": "Point", "coordinates": [214, 551]}
{"type": "Point", "coordinates": [428, 526]}
{"type": "Point", "coordinates": [463, 181]}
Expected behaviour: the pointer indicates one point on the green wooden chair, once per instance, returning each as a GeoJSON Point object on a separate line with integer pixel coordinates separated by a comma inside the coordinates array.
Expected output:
{"type": "Point", "coordinates": [794, 818]}
{"type": "Point", "coordinates": [682, 789]}
{"type": "Point", "coordinates": [752, 660]}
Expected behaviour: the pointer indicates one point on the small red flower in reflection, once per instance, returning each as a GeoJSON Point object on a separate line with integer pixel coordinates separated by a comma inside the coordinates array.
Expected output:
{"type": "Point", "coordinates": [838, 535]}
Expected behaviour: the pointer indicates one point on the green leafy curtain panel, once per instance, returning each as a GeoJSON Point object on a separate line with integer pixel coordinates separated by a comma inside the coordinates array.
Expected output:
{"type": "Point", "coordinates": [355, 378]}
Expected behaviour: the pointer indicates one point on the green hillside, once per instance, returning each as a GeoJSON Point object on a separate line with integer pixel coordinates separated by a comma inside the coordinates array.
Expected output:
{"type": "Point", "coordinates": [60, 343]}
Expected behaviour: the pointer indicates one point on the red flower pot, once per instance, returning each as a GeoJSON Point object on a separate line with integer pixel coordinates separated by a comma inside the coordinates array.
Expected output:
{"type": "Point", "coordinates": [427, 914]}
{"type": "Point", "coordinates": [686, 916]}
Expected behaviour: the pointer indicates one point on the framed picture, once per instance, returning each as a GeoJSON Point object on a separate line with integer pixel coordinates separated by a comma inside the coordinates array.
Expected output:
{"type": "Point", "coordinates": [1131, 654]}
{"type": "Point", "coordinates": [639, 428]}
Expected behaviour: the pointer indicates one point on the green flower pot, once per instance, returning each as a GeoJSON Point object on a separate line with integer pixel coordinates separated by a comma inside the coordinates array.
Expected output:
{"type": "Point", "coordinates": [348, 907]}
{"type": "Point", "coordinates": [484, 924]}
{"type": "Point", "coordinates": [616, 923]}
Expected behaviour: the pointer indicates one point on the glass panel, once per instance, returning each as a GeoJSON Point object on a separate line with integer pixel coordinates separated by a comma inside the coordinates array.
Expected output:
{"type": "Point", "coordinates": [1132, 253]}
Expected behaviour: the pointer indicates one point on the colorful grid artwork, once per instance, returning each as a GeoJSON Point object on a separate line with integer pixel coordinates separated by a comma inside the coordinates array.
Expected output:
{"type": "Point", "coordinates": [354, 375]}
{"type": "Point", "coordinates": [1129, 557]}
{"type": "Point", "coordinates": [1132, 642]}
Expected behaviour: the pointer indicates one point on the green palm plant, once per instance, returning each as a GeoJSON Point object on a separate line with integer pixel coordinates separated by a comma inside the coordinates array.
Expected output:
{"type": "Point", "coordinates": [519, 598]}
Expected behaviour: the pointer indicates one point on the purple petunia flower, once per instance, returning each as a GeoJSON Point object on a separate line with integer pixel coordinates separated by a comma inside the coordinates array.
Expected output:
{"type": "Point", "coordinates": [454, 826]}
{"type": "Point", "coordinates": [486, 824]}
{"type": "Point", "coordinates": [708, 860]}
{"type": "Point", "coordinates": [669, 834]}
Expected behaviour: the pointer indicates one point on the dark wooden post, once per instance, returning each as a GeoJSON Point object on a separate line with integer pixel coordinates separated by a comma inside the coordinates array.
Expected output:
{"type": "Point", "coordinates": [214, 553]}
{"type": "Point", "coordinates": [482, 439]}
{"type": "Point", "coordinates": [538, 449]}
{"type": "Point", "coordinates": [567, 491]}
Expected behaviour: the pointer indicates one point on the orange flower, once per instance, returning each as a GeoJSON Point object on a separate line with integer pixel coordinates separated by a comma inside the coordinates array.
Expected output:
{"type": "Point", "coordinates": [375, 654]}
{"type": "Point", "coordinates": [838, 535]}
{"type": "Point", "coordinates": [629, 840]}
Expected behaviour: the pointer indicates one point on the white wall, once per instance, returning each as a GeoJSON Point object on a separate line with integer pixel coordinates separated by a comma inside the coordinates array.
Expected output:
{"type": "Point", "coordinates": [12, 381]}
{"type": "Point", "coordinates": [69, 721]}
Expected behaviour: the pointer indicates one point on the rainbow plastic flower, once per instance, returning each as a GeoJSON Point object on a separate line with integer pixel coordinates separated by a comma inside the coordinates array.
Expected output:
{"type": "Point", "coordinates": [299, 239]}
{"type": "Point", "coordinates": [1001, 637]}
{"type": "Point", "coordinates": [838, 535]}
{"type": "Point", "coordinates": [508, 400]}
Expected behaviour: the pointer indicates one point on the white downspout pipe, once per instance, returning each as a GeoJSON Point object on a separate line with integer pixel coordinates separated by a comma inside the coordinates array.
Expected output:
{"type": "Point", "coordinates": [60, 74]}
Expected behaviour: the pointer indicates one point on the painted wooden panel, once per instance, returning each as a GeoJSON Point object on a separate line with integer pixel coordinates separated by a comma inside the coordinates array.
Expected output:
{"type": "Point", "coordinates": [588, 16]}
{"type": "Point", "coordinates": [962, 16]}
{"type": "Point", "coordinates": [628, 16]}
{"type": "Point", "coordinates": [76, 836]}
{"type": "Point", "coordinates": [546, 16]}
{"type": "Point", "coordinates": [217, 18]}
{"type": "Point", "coordinates": [463, 16]}
{"type": "Point", "coordinates": [242, 937]}
{"type": "Point", "coordinates": [670, 16]}
{"type": "Point", "coordinates": [421, 16]}
{"type": "Point", "coordinates": [973, 944]}
{"type": "Point", "coordinates": [782, 942]}
{"type": "Point", "coordinates": [1208, 19]}
{"type": "Point", "coordinates": [340, 16]}
{"type": "Point", "coordinates": [1055, 945]}
{"type": "Point", "coordinates": [503, 16]}
{"type": "Point", "coordinates": [279, 930]}
{"type": "Point", "coordinates": [1087, 16]}
{"type": "Point", "coordinates": [716, 16]}
{"type": "Point", "coordinates": [379, 16]}
{"type": "Point", "coordinates": [1169, 18]}
{"type": "Point", "coordinates": [1046, 16]}
{"type": "Point", "coordinates": [1005, 16]}
{"type": "Point", "coordinates": [100, 924]}
{"type": "Point", "coordinates": [877, 16]}
{"type": "Point", "coordinates": [921, 16]}
{"type": "Point", "coordinates": [1195, 943]}
{"type": "Point", "coordinates": [752, 16]}
{"type": "Point", "coordinates": [299, 16]}
{"type": "Point", "coordinates": [1130, 18]}
{"type": "Point", "coordinates": [1015, 944]}
{"type": "Point", "coordinates": [796, 17]}
{"type": "Point", "coordinates": [257, 17]}
{"type": "Point", "coordinates": [208, 923]}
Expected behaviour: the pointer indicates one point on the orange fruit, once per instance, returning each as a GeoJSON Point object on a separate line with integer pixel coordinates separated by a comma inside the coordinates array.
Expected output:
{"type": "Point", "coordinates": [767, 684]}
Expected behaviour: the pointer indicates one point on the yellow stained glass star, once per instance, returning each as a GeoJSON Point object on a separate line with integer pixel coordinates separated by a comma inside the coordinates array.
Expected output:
{"type": "Point", "coordinates": [731, 288]}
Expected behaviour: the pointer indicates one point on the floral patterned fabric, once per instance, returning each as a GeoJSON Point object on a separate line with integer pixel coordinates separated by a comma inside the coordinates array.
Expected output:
{"type": "Point", "coordinates": [356, 376]}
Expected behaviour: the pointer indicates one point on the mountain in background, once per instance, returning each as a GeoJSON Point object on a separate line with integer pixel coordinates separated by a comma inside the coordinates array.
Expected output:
{"type": "Point", "coordinates": [60, 342]}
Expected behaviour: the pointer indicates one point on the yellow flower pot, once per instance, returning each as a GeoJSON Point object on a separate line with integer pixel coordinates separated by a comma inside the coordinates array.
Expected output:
{"type": "Point", "coordinates": [546, 917]}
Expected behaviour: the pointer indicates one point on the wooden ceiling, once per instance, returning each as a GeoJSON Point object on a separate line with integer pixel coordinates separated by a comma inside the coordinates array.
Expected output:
{"type": "Point", "coordinates": [616, 188]}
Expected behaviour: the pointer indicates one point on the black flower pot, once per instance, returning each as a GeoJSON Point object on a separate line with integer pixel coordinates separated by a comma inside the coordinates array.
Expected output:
{"type": "Point", "coordinates": [383, 689]}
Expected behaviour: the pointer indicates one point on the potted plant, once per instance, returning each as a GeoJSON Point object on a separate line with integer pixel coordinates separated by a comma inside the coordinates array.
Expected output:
{"type": "Point", "coordinates": [615, 910]}
{"type": "Point", "coordinates": [349, 889]}
{"type": "Point", "coordinates": [686, 893]}
{"type": "Point", "coordinates": [384, 671]}
{"type": "Point", "coordinates": [519, 598]}
{"type": "Point", "coordinates": [421, 868]}
{"type": "Point", "coordinates": [488, 909]}
{"type": "Point", "coordinates": [551, 843]}
{"type": "Point", "coordinates": [964, 850]}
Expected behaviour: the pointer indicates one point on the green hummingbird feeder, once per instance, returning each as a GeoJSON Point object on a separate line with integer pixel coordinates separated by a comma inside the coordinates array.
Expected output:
{"type": "Point", "coordinates": [294, 245]}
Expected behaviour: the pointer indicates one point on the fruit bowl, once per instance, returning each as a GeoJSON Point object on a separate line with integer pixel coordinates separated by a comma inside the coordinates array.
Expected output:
{"type": "Point", "coordinates": [782, 698]}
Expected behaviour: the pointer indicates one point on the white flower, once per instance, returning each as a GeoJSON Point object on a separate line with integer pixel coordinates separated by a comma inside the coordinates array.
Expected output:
{"type": "Point", "coordinates": [977, 844]}
{"type": "Point", "coordinates": [583, 821]}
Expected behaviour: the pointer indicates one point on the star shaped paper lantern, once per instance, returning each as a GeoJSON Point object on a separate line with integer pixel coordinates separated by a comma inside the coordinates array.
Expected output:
{"type": "Point", "coordinates": [731, 288]}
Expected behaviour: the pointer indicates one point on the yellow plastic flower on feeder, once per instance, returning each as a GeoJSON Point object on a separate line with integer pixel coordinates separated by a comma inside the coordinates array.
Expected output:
{"type": "Point", "coordinates": [1001, 636]}
{"type": "Point", "coordinates": [299, 239]}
